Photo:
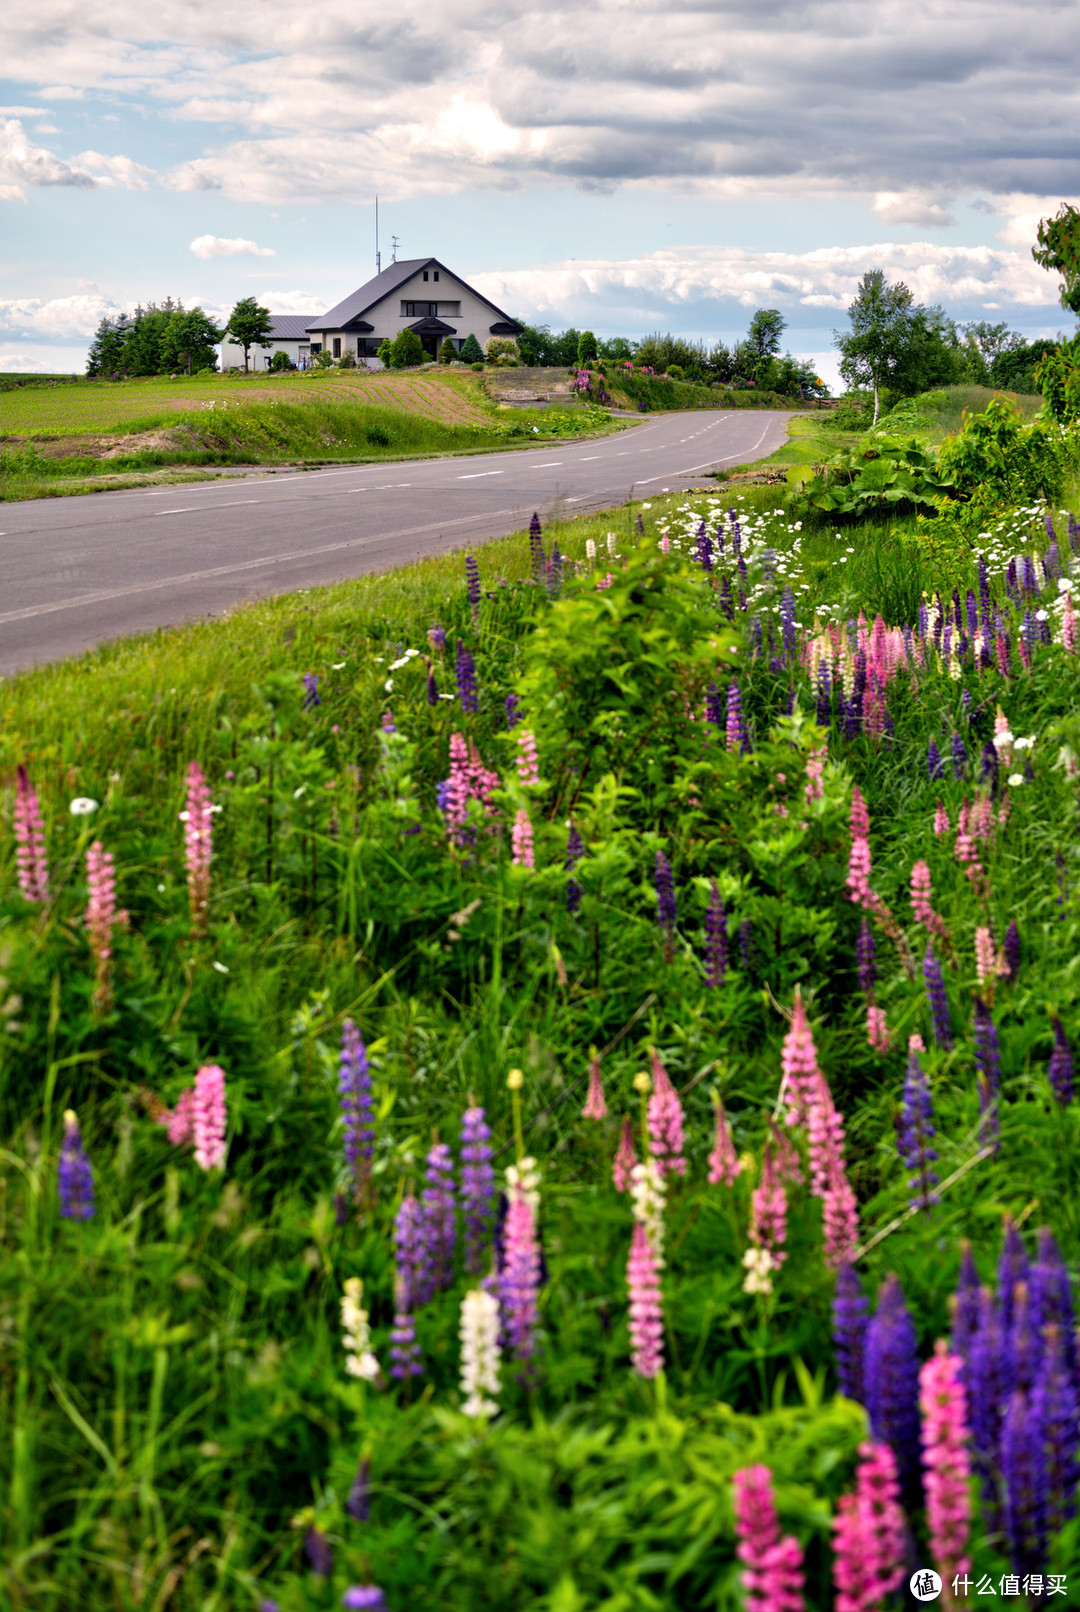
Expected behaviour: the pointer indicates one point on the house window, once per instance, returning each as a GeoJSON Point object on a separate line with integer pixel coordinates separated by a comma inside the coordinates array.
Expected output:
{"type": "Point", "coordinates": [450, 310]}
{"type": "Point", "coordinates": [419, 310]}
{"type": "Point", "coordinates": [436, 275]}
{"type": "Point", "coordinates": [337, 346]}
{"type": "Point", "coordinates": [425, 275]}
{"type": "Point", "coordinates": [316, 346]}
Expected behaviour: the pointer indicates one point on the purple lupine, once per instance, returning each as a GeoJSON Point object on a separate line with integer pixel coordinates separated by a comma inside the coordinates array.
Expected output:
{"type": "Point", "coordinates": [704, 548]}
{"type": "Point", "coordinates": [74, 1176]}
{"type": "Point", "coordinates": [520, 1272]}
{"type": "Point", "coordinates": [716, 937]}
{"type": "Point", "coordinates": [736, 532]}
{"type": "Point", "coordinates": [357, 1109]}
{"type": "Point", "coordinates": [318, 1552]}
{"type": "Point", "coordinates": [934, 765]}
{"type": "Point", "coordinates": [665, 898]}
{"type": "Point", "coordinates": [311, 691]}
{"type": "Point", "coordinates": [1023, 1346]}
{"type": "Point", "coordinates": [465, 673]}
{"type": "Point", "coordinates": [938, 998]}
{"type": "Point", "coordinates": [787, 622]}
{"type": "Point", "coordinates": [410, 1252]}
{"type": "Point", "coordinates": [472, 585]}
{"type": "Point", "coordinates": [437, 637]}
{"type": "Point", "coordinates": [439, 1208]}
{"type": "Point", "coordinates": [972, 613]}
{"type": "Point", "coordinates": [915, 1134]}
{"type": "Point", "coordinates": [477, 1188]}
{"type": "Point", "coordinates": [1060, 1067]}
{"type": "Point", "coordinates": [1030, 581]}
{"type": "Point", "coordinates": [989, 768]}
{"type": "Point", "coordinates": [959, 757]}
{"type": "Point", "coordinates": [1024, 1471]}
{"type": "Point", "coordinates": [1013, 1267]}
{"type": "Point", "coordinates": [727, 602]}
{"type": "Point", "coordinates": [987, 1057]}
{"type": "Point", "coordinates": [737, 736]}
{"type": "Point", "coordinates": [984, 1376]}
{"type": "Point", "coordinates": [850, 1307]}
{"type": "Point", "coordinates": [747, 949]}
{"type": "Point", "coordinates": [514, 713]}
{"type": "Point", "coordinates": [755, 635]}
{"type": "Point", "coordinates": [966, 1308]}
{"type": "Point", "coordinates": [432, 685]}
{"type": "Point", "coordinates": [823, 708]}
{"type": "Point", "coordinates": [575, 850]}
{"type": "Point", "coordinates": [866, 958]}
{"type": "Point", "coordinates": [892, 1380]}
{"type": "Point", "coordinates": [1011, 951]}
{"type": "Point", "coordinates": [714, 706]}
{"type": "Point", "coordinates": [1051, 1296]}
{"type": "Point", "coordinates": [536, 548]}
{"type": "Point", "coordinates": [1056, 1414]}
{"type": "Point", "coordinates": [720, 537]}
{"type": "Point", "coordinates": [358, 1501]}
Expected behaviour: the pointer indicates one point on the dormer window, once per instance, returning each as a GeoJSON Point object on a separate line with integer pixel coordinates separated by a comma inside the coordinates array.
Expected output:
{"type": "Point", "coordinates": [436, 275]}
{"type": "Point", "coordinates": [425, 275]}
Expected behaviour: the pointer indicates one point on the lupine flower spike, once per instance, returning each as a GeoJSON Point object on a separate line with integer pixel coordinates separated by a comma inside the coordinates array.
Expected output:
{"type": "Point", "coordinates": [411, 1256]}
{"type": "Point", "coordinates": [946, 1463]}
{"type": "Point", "coordinates": [101, 918]}
{"type": "Point", "coordinates": [519, 1278]}
{"type": "Point", "coordinates": [665, 904]}
{"type": "Point", "coordinates": [208, 1117]}
{"type": "Point", "coordinates": [772, 1566]}
{"type": "Point", "coordinates": [521, 841]}
{"type": "Point", "coordinates": [479, 1352]}
{"type": "Point", "coordinates": [440, 1223]}
{"type": "Point", "coordinates": [646, 1312]}
{"type": "Point", "coordinates": [198, 844]}
{"type": "Point", "coordinates": [595, 1106]}
{"type": "Point", "coordinates": [30, 859]}
{"type": "Point", "coordinates": [869, 1534]}
{"type": "Point", "coordinates": [724, 1163]}
{"type": "Point", "coordinates": [850, 1309]}
{"type": "Point", "coordinates": [356, 1333]}
{"type": "Point", "coordinates": [1060, 1067]}
{"type": "Point", "coordinates": [892, 1381]}
{"type": "Point", "coordinates": [354, 1088]}
{"type": "Point", "coordinates": [477, 1187]}
{"type": "Point", "coordinates": [74, 1176]}
{"type": "Point", "coordinates": [625, 1158]}
{"type": "Point", "coordinates": [916, 1130]}
{"type": "Point", "coordinates": [665, 1121]}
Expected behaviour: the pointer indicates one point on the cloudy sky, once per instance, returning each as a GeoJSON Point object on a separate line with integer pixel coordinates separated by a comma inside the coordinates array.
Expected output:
{"type": "Point", "coordinates": [615, 164]}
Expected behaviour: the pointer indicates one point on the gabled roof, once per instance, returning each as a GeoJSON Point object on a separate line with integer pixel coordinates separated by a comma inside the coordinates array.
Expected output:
{"type": "Point", "coordinates": [384, 285]}
{"type": "Point", "coordinates": [288, 326]}
{"type": "Point", "coordinates": [430, 326]}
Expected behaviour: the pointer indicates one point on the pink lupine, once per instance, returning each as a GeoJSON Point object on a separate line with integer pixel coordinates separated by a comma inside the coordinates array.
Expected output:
{"type": "Point", "coordinates": [31, 863]}
{"type": "Point", "coordinates": [101, 918]}
{"type": "Point", "coordinates": [877, 1028]}
{"type": "Point", "coordinates": [985, 955]}
{"type": "Point", "coordinates": [724, 1163]}
{"type": "Point", "coordinates": [180, 1121]}
{"type": "Point", "coordinates": [946, 1461]}
{"type": "Point", "coordinates": [798, 1059]}
{"type": "Point", "coordinates": [768, 1208]}
{"type": "Point", "coordinates": [941, 820]}
{"type": "Point", "coordinates": [595, 1106]}
{"type": "Point", "coordinates": [1069, 635]}
{"type": "Point", "coordinates": [858, 873]}
{"type": "Point", "coordinates": [839, 1218]}
{"type": "Point", "coordinates": [519, 1277]}
{"type": "Point", "coordinates": [625, 1158]}
{"type": "Point", "coordinates": [810, 1105]}
{"type": "Point", "coordinates": [815, 770]}
{"type": "Point", "coordinates": [860, 817]}
{"type": "Point", "coordinates": [646, 1312]}
{"type": "Point", "coordinates": [772, 1574]}
{"type": "Point", "coordinates": [1001, 654]}
{"type": "Point", "coordinates": [521, 839]}
{"type": "Point", "coordinates": [869, 1534]}
{"type": "Point", "coordinates": [665, 1121]}
{"type": "Point", "coordinates": [932, 921]}
{"type": "Point", "coordinates": [527, 764]}
{"type": "Point", "coordinates": [208, 1117]}
{"type": "Point", "coordinates": [198, 844]}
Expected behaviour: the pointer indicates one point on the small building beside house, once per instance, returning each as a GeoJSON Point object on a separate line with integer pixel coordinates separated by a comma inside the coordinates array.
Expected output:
{"type": "Point", "coordinates": [288, 334]}
{"type": "Point", "coordinates": [420, 294]}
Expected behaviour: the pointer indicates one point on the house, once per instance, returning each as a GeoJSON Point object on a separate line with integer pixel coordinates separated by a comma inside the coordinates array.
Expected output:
{"type": "Point", "coordinates": [419, 294]}
{"type": "Point", "coordinates": [288, 334]}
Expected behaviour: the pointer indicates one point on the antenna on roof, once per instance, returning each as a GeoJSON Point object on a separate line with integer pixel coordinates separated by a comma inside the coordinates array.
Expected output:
{"type": "Point", "coordinates": [378, 254]}
{"type": "Point", "coordinates": [395, 243]}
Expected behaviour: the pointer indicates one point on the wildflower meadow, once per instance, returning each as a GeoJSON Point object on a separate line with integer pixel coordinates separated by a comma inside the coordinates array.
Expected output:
{"type": "Point", "coordinates": [555, 1090]}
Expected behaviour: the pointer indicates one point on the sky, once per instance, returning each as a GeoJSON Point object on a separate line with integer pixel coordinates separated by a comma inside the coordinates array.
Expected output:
{"type": "Point", "coordinates": [618, 165]}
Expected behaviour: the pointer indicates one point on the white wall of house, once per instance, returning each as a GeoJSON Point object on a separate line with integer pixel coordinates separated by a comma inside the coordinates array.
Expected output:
{"type": "Point", "coordinates": [232, 355]}
{"type": "Point", "coordinates": [457, 306]}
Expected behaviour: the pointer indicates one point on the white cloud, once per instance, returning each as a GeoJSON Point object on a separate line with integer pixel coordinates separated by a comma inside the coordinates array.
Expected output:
{"type": "Point", "coordinates": [60, 318]}
{"type": "Point", "coordinates": [25, 111]}
{"type": "Point", "coordinates": [45, 360]}
{"type": "Point", "coordinates": [117, 171]}
{"type": "Point", "coordinates": [909, 207]}
{"type": "Point", "coordinates": [206, 246]}
{"type": "Point", "coordinates": [23, 164]}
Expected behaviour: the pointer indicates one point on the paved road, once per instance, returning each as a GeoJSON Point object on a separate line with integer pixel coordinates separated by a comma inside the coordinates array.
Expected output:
{"type": "Point", "coordinates": [75, 572]}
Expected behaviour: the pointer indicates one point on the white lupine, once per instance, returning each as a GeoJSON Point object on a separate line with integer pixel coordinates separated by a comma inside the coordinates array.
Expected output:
{"type": "Point", "coordinates": [648, 1200]}
{"type": "Point", "coordinates": [590, 551]}
{"type": "Point", "coordinates": [524, 1179]}
{"type": "Point", "coordinates": [359, 1360]}
{"type": "Point", "coordinates": [758, 1263]}
{"type": "Point", "coordinates": [479, 1352]}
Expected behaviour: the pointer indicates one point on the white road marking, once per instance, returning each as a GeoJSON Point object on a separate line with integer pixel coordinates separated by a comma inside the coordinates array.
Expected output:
{"type": "Point", "coordinates": [189, 509]}
{"type": "Point", "coordinates": [548, 465]}
{"type": "Point", "coordinates": [588, 458]}
{"type": "Point", "coordinates": [476, 474]}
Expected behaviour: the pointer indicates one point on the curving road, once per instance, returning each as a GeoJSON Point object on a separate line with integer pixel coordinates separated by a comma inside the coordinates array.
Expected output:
{"type": "Point", "coordinates": [79, 571]}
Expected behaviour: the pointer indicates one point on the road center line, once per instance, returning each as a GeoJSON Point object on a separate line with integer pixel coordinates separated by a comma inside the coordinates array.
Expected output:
{"type": "Point", "coordinates": [548, 465]}
{"type": "Point", "coordinates": [476, 474]}
{"type": "Point", "coordinates": [190, 509]}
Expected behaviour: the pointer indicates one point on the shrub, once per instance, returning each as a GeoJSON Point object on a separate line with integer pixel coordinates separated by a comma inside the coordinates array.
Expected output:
{"type": "Point", "coordinates": [477, 369]}
{"type": "Point", "coordinates": [347, 360]}
{"type": "Point", "coordinates": [447, 351]}
{"type": "Point", "coordinates": [407, 349]}
{"type": "Point", "coordinates": [386, 353]}
{"type": "Point", "coordinates": [996, 454]}
{"type": "Point", "coordinates": [280, 361]}
{"type": "Point", "coordinates": [676, 371]}
{"type": "Point", "coordinates": [322, 359]}
{"type": "Point", "coordinates": [500, 347]}
{"type": "Point", "coordinates": [471, 350]}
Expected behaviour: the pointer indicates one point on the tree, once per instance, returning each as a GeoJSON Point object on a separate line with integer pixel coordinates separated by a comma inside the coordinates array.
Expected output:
{"type": "Point", "coordinates": [146, 338]}
{"type": "Point", "coordinates": [565, 347]}
{"type": "Point", "coordinates": [190, 342]}
{"type": "Point", "coordinates": [763, 337]}
{"type": "Point", "coordinates": [386, 352]}
{"type": "Point", "coordinates": [616, 350]}
{"type": "Point", "coordinates": [881, 329]}
{"type": "Point", "coordinates": [281, 360]}
{"type": "Point", "coordinates": [447, 351]}
{"type": "Point", "coordinates": [502, 348]}
{"type": "Point", "coordinates": [587, 350]}
{"type": "Point", "coordinates": [106, 355]}
{"type": "Point", "coordinates": [1013, 369]}
{"type": "Point", "coordinates": [249, 325]}
{"type": "Point", "coordinates": [471, 350]}
{"type": "Point", "coordinates": [1059, 248]}
{"type": "Point", "coordinates": [407, 349]}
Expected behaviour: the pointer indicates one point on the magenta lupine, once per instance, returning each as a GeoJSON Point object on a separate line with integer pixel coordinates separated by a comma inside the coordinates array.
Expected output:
{"type": "Point", "coordinates": [946, 1462]}
{"type": "Point", "coordinates": [357, 1110]}
{"type": "Point", "coordinates": [519, 1278]}
{"type": "Point", "coordinates": [869, 1534]}
{"type": "Point", "coordinates": [180, 1122]}
{"type": "Point", "coordinates": [595, 1106]}
{"type": "Point", "coordinates": [665, 1121]}
{"type": "Point", "coordinates": [941, 820]}
{"type": "Point", "coordinates": [477, 1187]}
{"type": "Point", "coordinates": [931, 921]}
{"type": "Point", "coordinates": [521, 841]}
{"type": "Point", "coordinates": [724, 1163]}
{"type": "Point", "coordinates": [31, 862]}
{"type": "Point", "coordinates": [410, 1253]}
{"type": "Point", "coordinates": [440, 1221]}
{"type": "Point", "coordinates": [772, 1573]}
{"type": "Point", "coordinates": [985, 955]}
{"type": "Point", "coordinates": [198, 844]}
{"type": "Point", "coordinates": [877, 1029]}
{"type": "Point", "coordinates": [859, 863]}
{"type": "Point", "coordinates": [798, 1059]}
{"type": "Point", "coordinates": [101, 917]}
{"type": "Point", "coordinates": [768, 1208]}
{"type": "Point", "coordinates": [810, 1105]}
{"type": "Point", "coordinates": [74, 1176]}
{"type": "Point", "coordinates": [814, 789]}
{"type": "Point", "coordinates": [646, 1311]}
{"type": "Point", "coordinates": [527, 764]}
{"type": "Point", "coordinates": [625, 1158]}
{"type": "Point", "coordinates": [208, 1117]}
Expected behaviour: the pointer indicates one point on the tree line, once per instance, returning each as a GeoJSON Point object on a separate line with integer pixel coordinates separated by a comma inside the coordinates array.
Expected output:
{"type": "Point", "coordinates": [164, 337]}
